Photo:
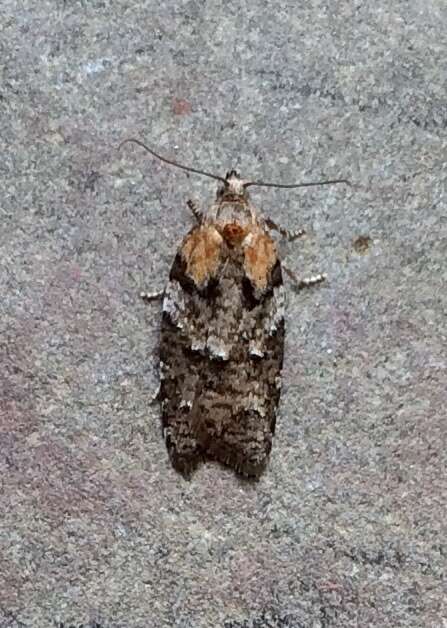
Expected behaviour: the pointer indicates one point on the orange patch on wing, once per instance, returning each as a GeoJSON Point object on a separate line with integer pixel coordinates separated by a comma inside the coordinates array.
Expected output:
{"type": "Point", "coordinates": [260, 257]}
{"type": "Point", "coordinates": [201, 251]}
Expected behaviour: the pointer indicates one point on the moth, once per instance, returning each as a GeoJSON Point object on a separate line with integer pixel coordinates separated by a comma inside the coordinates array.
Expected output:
{"type": "Point", "coordinates": [222, 332]}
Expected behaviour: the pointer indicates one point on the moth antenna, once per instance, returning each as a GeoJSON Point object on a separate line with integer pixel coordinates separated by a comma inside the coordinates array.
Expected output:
{"type": "Point", "coordinates": [297, 185]}
{"type": "Point", "coordinates": [170, 161]}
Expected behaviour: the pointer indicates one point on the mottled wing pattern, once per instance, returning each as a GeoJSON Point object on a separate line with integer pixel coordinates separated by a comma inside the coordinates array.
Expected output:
{"type": "Point", "coordinates": [221, 355]}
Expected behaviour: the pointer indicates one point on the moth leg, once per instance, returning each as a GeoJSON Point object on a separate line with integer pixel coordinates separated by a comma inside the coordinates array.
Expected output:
{"type": "Point", "coordinates": [193, 206]}
{"type": "Point", "coordinates": [152, 296]}
{"type": "Point", "coordinates": [290, 236]}
{"type": "Point", "coordinates": [306, 282]}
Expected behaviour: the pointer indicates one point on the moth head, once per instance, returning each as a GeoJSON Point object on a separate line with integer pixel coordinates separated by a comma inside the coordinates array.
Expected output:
{"type": "Point", "coordinates": [233, 188]}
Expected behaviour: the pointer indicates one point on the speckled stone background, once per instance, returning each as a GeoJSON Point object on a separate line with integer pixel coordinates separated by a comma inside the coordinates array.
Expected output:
{"type": "Point", "coordinates": [348, 526]}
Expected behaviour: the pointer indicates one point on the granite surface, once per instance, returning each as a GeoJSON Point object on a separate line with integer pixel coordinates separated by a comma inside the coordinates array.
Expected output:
{"type": "Point", "coordinates": [348, 525]}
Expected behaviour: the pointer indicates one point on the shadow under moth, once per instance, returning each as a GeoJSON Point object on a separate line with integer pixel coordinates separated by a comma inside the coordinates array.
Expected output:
{"type": "Point", "coordinates": [222, 332]}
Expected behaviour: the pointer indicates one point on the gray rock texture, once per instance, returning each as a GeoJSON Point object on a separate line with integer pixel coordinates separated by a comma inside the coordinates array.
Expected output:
{"type": "Point", "coordinates": [348, 525]}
